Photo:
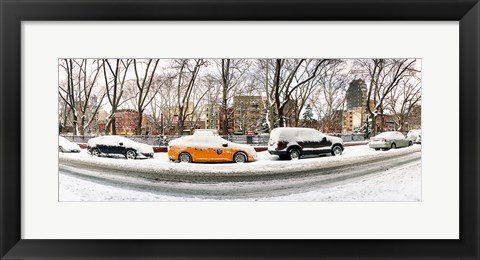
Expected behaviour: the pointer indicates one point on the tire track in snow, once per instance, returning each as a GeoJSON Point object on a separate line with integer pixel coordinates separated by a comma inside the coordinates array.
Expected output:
{"type": "Point", "coordinates": [251, 186]}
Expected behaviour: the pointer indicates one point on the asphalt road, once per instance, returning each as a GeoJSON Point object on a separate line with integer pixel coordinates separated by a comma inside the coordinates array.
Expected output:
{"type": "Point", "coordinates": [236, 186]}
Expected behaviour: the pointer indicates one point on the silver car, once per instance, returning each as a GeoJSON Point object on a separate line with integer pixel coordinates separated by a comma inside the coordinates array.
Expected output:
{"type": "Point", "coordinates": [389, 140]}
{"type": "Point", "coordinates": [415, 135]}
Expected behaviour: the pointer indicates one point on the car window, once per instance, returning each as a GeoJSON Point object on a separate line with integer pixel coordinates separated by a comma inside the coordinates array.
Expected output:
{"type": "Point", "coordinates": [218, 141]}
{"type": "Point", "coordinates": [201, 139]}
{"type": "Point", "coordinates": [319, 135]}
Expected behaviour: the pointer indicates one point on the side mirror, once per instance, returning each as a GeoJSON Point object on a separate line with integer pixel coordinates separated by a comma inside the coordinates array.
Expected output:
{"type": "Point", "coordinates": [225, 145]}
{"type": "Point", "coordinates": [121, 144]}
{"type": "Point", "coordinates": [324, 139]}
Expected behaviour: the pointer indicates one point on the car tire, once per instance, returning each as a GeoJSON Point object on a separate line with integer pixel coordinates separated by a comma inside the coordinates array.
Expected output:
{"type": "Point", "coordinates": [130, 154]}
{"type": "Point", "coordinates": [377, 149]}
{"type": "Point", "coordinates": [294, 154]}
{"type": "Point", "coordinates": [393, 146]}
{"type": "Point", "coordinates": [95, 152]}
{"type": "Point", "coordinates": [337, 150]}
{"type": "Point", "coordinates": [410, 143]}
{"type": "Point", "coordinates": [60, 149]}
{"type": "Point", "coordinates": [185, 157]}
{"type": "Point", "coordinates": [240, 157]}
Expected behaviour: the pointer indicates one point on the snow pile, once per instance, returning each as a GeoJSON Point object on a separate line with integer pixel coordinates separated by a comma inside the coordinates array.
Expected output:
{"type": "Point", "coordinates": [67, 145]}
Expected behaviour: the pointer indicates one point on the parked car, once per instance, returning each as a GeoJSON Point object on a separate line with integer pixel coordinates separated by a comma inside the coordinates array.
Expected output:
{"type": "Point", "coordinates": [64, 146]}
{"type": "Point", "coordinates": [208, 146]}
{"type": "Point", "coordinates": [118, 145]}
{"type": "Point", "coordinates": [389, 140]}
{"type": "Point", "coordinates": [415, 135]}
{"type": "Point", "coordinates": [292, 142]}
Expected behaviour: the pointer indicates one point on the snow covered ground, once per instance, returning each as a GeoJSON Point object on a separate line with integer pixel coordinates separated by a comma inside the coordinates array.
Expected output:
{"type": "Point", "coordinates": [265, 162]}
{"type": "Point", "coordinates": [395, 184]}
{"type": "Point", "coordinates": [403, 184]}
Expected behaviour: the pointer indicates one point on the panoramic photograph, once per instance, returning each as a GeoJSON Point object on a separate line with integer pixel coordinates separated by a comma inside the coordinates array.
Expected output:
{"type": "Point", "coordinates": [253, 129]}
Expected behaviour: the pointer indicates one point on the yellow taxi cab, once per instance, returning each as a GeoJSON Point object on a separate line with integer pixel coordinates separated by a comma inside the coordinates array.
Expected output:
{"type": "Point", "coordinates": [208, 146]}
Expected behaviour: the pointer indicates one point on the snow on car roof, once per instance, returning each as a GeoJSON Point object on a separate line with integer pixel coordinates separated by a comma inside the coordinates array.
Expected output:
{"type": "Point", "coordinates": [205, 132]}
{"type": "Point", "coordinates": [293, 133]}
{"type": "Point", "coordinates": [388, 133]}
{"type": "Point", "coordinates": [63, 139]}
{"type": "Point", "coordinates": [110, 139]}
{"type": "Point", "coordinates": [202, 139]}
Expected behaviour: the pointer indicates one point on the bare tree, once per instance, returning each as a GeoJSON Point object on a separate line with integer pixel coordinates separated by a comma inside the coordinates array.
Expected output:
{"type": "Point", "coordinates": [67, 93]}
{"type": "Point", "coordinates": [144, 86]}
{"type": "Point", "coordinates": [328, 83]}
{"type": "Point", "coordinates": [87, 79]}
{"type": "Point", "coordinates": [186, 78]}
{"type": "Point", "coordinates": [333, 83]}
{"type": "Point", "coordinates": [264, 76]}
{"type": "Point", "coordinates": [114, 87]}
{"type": "Point", "coordinates": [231, 72]}
{"type": "Point", "coordinates": [289, 75]}
{"type": "Point", "coordinates": [168, 97]}
{"type": "Point", "coordinates": [384, 76]}
{"type": "Point", "coordinates": [213, 99]}
{"type": "Point", "coordinates": [402, 100]}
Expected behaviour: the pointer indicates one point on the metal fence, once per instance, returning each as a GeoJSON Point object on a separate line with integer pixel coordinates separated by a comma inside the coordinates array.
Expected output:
{"type": "Point", "coordinates": [352, 138]}
{"type": "Point", "coordinates": [254, 140]}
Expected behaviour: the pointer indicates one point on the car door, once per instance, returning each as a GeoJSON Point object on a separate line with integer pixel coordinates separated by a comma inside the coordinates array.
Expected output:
{"type": "Point", "coordinates": [102, 145]}
{"type": "Point", "coordinates": [120, 146]}
{"type": "Point", "coordinates": [217, 152]}
{"type": "Point", "coordinates": [400, 140]}
{"type": "Point", "coordinates": [325, 144]}
{"type": "Point", "coordinates": [202, 150]}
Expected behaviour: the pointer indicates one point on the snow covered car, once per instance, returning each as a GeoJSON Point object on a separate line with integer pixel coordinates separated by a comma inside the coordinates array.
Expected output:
{"type": "Point", "coordinates": [292, 142]}
{"type": "Point", "coordinates": [415, 135]}
{"type": "Point", "coordinates": [64, 145]}
{"type": "Point", "coordinates": [389, 140]}
{"type": "Point", "coordinates": [118, 145]}
{"type": "Point", "coordinates": [208, 146]}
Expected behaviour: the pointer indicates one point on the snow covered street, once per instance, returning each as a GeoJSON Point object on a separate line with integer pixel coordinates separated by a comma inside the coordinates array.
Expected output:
{"type": "Point", "coordinates": [401, 184]}
{"type": "Point", "coordinates": [377, 182]}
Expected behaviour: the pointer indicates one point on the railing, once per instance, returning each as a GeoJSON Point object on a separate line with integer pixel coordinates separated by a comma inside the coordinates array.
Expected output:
{"type": "Point", "coordinates": [254, 140]}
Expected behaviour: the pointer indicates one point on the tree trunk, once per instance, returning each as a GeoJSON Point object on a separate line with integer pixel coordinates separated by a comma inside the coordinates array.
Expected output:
{"type": "Point", "coordinates": [113, 124]}
{"type": "Point", "coordinates": [225, 117]}
{"type": "Point", "coordinates": [180, 126]}
{"type": "Point", "coordinates": [75, 123]}
{"type": "Point", "coordinates": [270, 113]}
{"type": "Point", "coordinates": [139, 122]}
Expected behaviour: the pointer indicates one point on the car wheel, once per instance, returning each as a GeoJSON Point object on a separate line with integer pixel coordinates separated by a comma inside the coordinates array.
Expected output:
{"type": "Point", "coordinates": [60, 149]}
{"type": "Point", "coordinates": [336, 150]}
{"type": "Point", "coordinates": [185, 157]}
{"type": "Point", "coordinates": [294, 154]}
{"type": "Point", "coordinates": [393, 146]}
{"type": "Point", "coordinates": [131, 154]}
{"type": "Point", "coordinates": [410, 143]}
{"type": "Point", "coordinates": [95, 152]}
{"type": "Point", "coordinates": [240, 157]}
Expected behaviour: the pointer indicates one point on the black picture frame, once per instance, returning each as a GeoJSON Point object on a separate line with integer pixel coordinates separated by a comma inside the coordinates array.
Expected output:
{"type": "Point", "coordinates": [12, 13]}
